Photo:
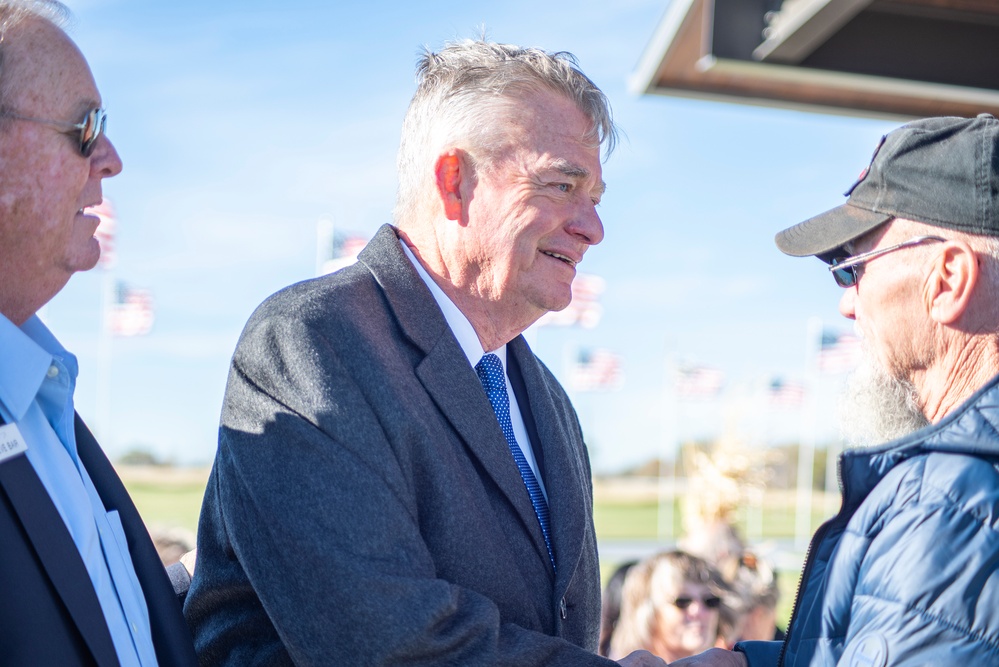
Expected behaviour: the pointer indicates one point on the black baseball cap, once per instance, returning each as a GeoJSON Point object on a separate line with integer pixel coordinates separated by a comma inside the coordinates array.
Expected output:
{"type": "Point", "coordinates": [939, 171]}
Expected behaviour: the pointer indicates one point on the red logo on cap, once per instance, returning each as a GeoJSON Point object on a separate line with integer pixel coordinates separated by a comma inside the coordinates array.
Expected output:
{"type": "Point", "coordinates": [867, 169]}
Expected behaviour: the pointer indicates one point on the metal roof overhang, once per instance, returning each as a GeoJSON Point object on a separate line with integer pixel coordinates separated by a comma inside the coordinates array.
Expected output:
{"type": "Point", "coordinates": [907, 58]}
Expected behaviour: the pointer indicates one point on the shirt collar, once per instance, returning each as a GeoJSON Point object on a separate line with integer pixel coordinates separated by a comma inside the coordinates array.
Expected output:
{"type": "Point", "coordinates": [456, 320]}
{"type": "Point", "coordinates": [26, 353]}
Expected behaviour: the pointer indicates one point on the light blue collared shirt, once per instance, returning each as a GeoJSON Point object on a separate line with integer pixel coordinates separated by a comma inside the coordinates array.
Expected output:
{"type": "Point", "coordinates": [472, 347]}
{"type": "Point", "coordinates": [37, 381]}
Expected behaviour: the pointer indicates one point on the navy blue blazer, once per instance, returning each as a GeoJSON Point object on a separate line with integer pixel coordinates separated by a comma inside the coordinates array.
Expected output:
{"type": "Point", "coordinates": [49, 611]}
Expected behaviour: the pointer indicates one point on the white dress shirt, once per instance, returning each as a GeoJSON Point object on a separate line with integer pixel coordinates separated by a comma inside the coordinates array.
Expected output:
{"type": "Point", "coordinates": [472, 347]}
{"type": "Point", "coordinates": [37, 382]}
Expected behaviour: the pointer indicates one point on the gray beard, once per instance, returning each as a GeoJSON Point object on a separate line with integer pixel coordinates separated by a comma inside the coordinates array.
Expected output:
{"type": "Point", "coordinates": [878, 407]}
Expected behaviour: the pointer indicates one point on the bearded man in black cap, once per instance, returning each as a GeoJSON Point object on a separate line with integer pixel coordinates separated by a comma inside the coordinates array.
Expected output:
{"type": "Point", "coordinates": [908, 572]}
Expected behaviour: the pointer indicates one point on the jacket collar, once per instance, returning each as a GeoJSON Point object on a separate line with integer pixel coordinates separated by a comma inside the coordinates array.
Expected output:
{"type": "Point", "coordinates": [416, 311]}
{"type": "Point", "coordinates": [445, 372]}
{"type": "Point", "coordinates": [971, 429]}
{"type": "Point", "coordinates": [456, 390]}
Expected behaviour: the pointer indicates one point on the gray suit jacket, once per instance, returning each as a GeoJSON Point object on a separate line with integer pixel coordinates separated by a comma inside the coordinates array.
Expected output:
{"type": "Point", "coordinates": [364, 508]}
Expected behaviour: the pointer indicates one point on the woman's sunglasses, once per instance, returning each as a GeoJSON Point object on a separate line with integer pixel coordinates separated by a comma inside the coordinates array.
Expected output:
{"type": "Point", "coordinates": [710, 603]}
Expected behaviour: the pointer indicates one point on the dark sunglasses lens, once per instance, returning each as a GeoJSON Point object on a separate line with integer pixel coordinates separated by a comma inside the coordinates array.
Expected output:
{"type": "Point", "coordinates": [93, 128]}
{"type": "Point", "coordinates": [845, 277]}
{"type": "Point", "coordinates": [710, 603]}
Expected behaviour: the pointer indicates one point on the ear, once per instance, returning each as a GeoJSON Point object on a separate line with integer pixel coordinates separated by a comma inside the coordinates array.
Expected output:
{"type": "Point", "coordinates": [449, 172]}
{"type": "Point", "coordinates": [950, 288]}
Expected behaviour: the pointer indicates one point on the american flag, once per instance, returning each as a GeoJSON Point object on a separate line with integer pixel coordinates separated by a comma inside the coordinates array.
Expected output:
{"type": "Point", "coordinates": [105, 234]}
{"type": "Point", "coordinates": [132, 311]}
{"type": "Point", "coordinates": [838, 352]}
{"type": "Point", "coordinates": [596, 370]}
{"type": "Point", "coordinates": [343, 251]}
{"type": "Point", "coordinates": [698, 381]}
{"type": "Point", "coordinates": [785, 393]}
{"type": "Point", "coordinates": [584, 310]}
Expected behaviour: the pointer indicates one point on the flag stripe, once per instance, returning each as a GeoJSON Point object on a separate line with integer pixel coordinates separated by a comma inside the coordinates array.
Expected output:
{"type": "Point", "coordinates": [596, 370]}
{"type": "Point", "coordinates": [132, 311]}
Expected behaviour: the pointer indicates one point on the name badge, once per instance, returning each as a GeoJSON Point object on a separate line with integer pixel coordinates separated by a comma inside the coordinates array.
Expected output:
{"type": "Point", "coordinates": [11, 442]}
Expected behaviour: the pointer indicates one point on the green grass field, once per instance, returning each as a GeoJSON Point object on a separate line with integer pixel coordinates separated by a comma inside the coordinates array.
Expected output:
{"type": "Point", "coordinates": [171, 498]}
{"type": "Point", "coordinates": [166, 497]}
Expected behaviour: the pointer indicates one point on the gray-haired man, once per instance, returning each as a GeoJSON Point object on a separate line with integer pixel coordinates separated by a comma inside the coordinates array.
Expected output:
{"type": "Point", "coordinates": [399, 480]}
{"type": "Point", "coordinates": [908, 572]}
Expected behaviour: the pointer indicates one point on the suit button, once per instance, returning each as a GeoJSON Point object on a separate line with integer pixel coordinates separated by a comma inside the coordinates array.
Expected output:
{"type": "Point", "coordinates": [561, 608]}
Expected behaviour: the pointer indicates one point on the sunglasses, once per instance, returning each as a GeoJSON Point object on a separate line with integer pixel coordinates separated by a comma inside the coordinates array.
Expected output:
{"type": "Point", "coordinates": [710, 603]}
{"type": "Point", "coordinates": [89, 131]}
{"type": "Point", "coordinates": [844, 269]}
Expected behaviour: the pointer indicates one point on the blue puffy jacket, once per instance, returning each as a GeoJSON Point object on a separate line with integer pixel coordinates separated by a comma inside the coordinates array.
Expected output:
{"type": "Point", "coordinates": [908, 572]}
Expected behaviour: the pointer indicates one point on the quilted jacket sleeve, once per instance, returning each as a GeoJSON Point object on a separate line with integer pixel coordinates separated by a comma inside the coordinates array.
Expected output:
{"type": "Point", "coordinates": [925, 568]}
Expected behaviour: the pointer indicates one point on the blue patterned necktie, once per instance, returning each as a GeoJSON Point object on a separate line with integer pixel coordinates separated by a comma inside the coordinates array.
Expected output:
{"type": "Point", "coordinates": [493, 378]}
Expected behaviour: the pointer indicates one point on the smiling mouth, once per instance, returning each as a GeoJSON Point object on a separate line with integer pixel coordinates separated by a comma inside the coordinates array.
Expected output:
{"type": "Point", "coordinates": [563, 258]}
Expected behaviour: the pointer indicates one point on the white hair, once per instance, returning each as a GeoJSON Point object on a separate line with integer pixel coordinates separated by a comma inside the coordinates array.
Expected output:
{"type": "Point", "coordinates": [877, 406]}
{"type": "Point", "coordinates": [14, 12]}
{"type": "Point", "coordinates": [466, 93]}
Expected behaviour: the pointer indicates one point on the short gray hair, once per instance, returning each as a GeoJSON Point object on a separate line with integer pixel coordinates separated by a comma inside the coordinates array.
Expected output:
{"type": "Point", "coordinates": [459, 91]}
{"type": "Point", "coordinates": [14, 12]}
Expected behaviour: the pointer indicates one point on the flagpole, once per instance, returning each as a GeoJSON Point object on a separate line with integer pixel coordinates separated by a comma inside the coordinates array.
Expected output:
{"type": "Point", "coordinates": [104, 360]}
{"type": "Point", "coordinates": [569, 353]}
{"type": "Point", "coordinates": [754, 508]}
{"type": "Point", "coordinates": [806, 447]}
{"type": "Point", "coordinates": [832, 478]}
{"type": "Point", "coordinates": [668, 453]}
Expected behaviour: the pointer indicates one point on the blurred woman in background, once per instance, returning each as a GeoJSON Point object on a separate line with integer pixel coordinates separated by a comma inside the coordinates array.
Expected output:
{"type": "Point", "coordinates": [670, 605]}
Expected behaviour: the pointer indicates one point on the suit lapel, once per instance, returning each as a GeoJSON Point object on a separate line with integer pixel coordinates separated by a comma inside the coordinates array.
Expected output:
{"type": "Point", "coordinates": [456, 390]}
{"type": "Point", "coordinates": [446, 374]}
{"type": "Point", "coordinates": [171, 637]}
{"type": "Point", "coordinates": [564, 472]}
{"type": "Point", "coordinates": [58, 554]}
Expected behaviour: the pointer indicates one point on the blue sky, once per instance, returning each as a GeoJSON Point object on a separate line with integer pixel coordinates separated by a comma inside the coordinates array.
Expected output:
{"type": "Point", "coordinates": [242, 124]}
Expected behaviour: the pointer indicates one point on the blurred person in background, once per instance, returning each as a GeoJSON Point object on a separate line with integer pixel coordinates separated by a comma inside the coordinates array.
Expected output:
{"type": "Point", "coordinates": [610, 606]}
{"type": "Point", "coordinates": [670, 606]}
{"type": "Point", "coordinates": [907, 573]}
{"type": "Point", "coordinates": [750, 611]}
{"type": "Point", "coordinates": [80, 581]}
{"type": "Point", "coordinates": [755, 579]}
{"type": "Point", "coordinates": [731, 617]}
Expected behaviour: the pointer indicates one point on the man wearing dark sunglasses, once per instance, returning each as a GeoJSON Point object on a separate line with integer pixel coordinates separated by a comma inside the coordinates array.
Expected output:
{"type": "Point", "coordinates": [908, 572]}
{"type": "Point", "coordinates": [80, 581]}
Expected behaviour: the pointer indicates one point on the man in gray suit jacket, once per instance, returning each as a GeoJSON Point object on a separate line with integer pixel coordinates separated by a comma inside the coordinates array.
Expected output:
{"type": "Point", "coordinates": [399, 480]}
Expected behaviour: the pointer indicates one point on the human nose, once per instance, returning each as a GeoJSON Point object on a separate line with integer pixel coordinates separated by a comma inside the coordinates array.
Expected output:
{"type": "Point", "coordinates": [588, 226]}
{"type": "Point", "coordinates": [105, 162]}
{"type": "Point", "coordinates": [848, 303]}
{"type": "Point", "coordinates": [697, 608]}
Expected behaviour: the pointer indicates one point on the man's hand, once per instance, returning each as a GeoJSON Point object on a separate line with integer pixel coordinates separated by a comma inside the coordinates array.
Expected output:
{"type": "Point", "coordinates": [713, 657]}
{"type": "Point", "coordinates": [188, 560]}
{"type": "Point", "coordinates": [641, 659]}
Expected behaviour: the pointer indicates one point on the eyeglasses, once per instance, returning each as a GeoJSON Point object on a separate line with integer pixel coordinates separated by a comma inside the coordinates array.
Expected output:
{"type": "Point", "coordinates": [90, 130]}
{"type": "Point", "coordinates": [844, 269]}
{"type": "Point", "coordinates": [710, 603]}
